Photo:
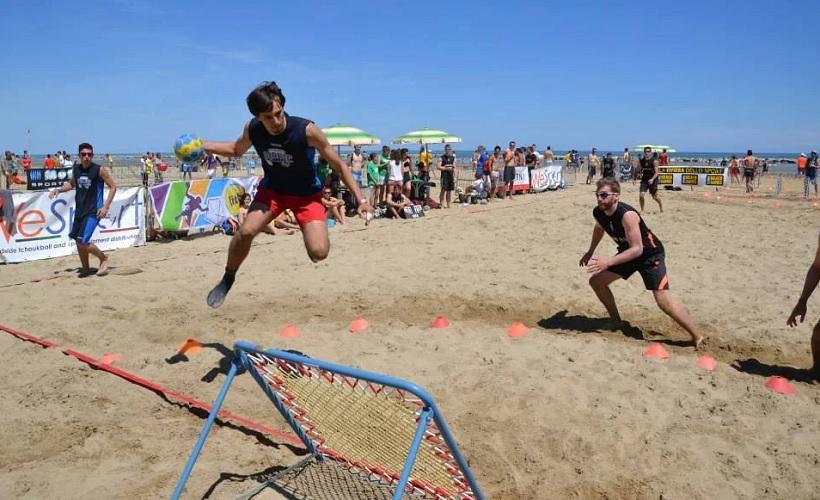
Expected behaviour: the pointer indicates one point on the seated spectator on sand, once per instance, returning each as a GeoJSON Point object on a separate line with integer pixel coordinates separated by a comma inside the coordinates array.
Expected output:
{"type": "Point", "coordinates": [334, 207]}
{"type": "Point", "coordinates": [396, 202]}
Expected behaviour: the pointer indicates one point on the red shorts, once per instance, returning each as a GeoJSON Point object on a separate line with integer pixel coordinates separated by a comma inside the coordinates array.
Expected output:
{"type": "Point", "coordinates": [305, 208]}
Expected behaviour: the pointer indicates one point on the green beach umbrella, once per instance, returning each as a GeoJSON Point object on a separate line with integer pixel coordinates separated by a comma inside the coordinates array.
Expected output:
{"type": "Point", "coordinates": [343, 135]}
{"type": "Point", "coordinates": [426, 136]}
{"type": "Point", "coordinates": [655, 147]}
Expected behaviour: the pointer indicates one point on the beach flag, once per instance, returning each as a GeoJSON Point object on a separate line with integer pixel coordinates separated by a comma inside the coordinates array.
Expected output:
{"type": "Point", "coordinates": [371, 434]}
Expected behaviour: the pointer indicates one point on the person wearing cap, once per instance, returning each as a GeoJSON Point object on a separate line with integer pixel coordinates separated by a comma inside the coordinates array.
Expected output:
{"type": "Point", "coordinates": [810, 175]}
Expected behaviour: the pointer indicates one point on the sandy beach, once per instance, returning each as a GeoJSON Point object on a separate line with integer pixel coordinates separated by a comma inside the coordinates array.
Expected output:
{"type": "Point", "coordinates": [570, 411]}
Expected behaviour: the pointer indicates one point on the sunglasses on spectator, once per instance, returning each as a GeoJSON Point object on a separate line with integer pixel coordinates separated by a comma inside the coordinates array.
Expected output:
{"type": "Point", "coordinates": [602, 195]}
{"type": "Point", "coordinates": [86, 155]}
{"type": "Point", "coordinates": [328, 192]}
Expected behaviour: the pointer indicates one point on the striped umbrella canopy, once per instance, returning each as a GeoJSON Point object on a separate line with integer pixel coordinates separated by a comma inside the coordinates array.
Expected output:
{"type": "Point", "coordinates": [343, 135]}
{"type": "Point", "coordinates": [655, 147]}
{"type": "Point", "coordinates": [426, 136]}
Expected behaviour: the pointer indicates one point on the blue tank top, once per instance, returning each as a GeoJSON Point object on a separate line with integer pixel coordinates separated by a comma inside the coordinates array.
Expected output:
{"type": "Point", "coordinates": [89, 196]}
{"type": "Point", "coordinates": [286, 158]}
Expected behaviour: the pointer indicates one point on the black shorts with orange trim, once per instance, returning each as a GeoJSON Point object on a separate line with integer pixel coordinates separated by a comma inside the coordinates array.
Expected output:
{"type": "Point", "coordinates": [651, 268]}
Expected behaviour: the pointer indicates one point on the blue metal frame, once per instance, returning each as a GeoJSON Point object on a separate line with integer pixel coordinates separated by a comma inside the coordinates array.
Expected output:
{"type": "Point", "coordinates": [430, 410]}
{"type": "Point", "coordinates": [200, 442]}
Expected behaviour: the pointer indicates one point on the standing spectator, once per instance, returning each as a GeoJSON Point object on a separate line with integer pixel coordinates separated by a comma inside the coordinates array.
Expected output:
{"type": "Point", "coordinates": [159, 167]}
{"type": "Point", "coordinates": [394, 166]}
{"type": "Point", "coordinates": [811, 175]}
{"type": "Point", "coordinates": [251, 164]}
{"type": "Point", "coordinates": [67, 161]}
{"type": "Point", "coordinates": [801, 164]}
{"type": "Point", "coordinates": [425, 160]}
{"type": "Point", "coordinates": [496, 165]}
{"type": "Point", "coordinates": [186, 169]}
{"type": "Point", "coordinates": [663, 159]}
{"type": "Point", "coordinates": [26, 160]}
{"type": "Point", "coordinates": [549, 156]}
{"type": "Point", "coordinates": [383, 162]}
{"type": "Point", "coordinates": [509, 171]}
{"type": "Point", "coordinates": [447, 167]}
{"type": "Point", "coordinates": [481, 161]}
{"type": "Point", "coordinates": [375, 180]}
{"type": "Point", "coordinates": [626, 161]}
{"type": "Point", "coordinates": [149, 168]}
{"type": "Point", "coordinates": [750, 165]}
{"type": "Point", "coordinates": [406, 171]}
{"type": "Point", "coordinates": [88, 178]}
{"type": "Point", "coordinates": [6, 170]}
{"type": "Point", "coordinates": [531, 160]}
{"type": "Point", "coordinates": [211, 161]}
{"type": "Point", "coordinates": [609, 166]}
{"type": "Point", "coordinates": [592, 165]}
{"type": "Point", "coordinates": [355, 162]}
{"type": "Point", "coordinates": [48, 162]}
{"type": "Point", "coordinates": [649, 178]}
{"type": "Point", "coordinates": [734, 170]}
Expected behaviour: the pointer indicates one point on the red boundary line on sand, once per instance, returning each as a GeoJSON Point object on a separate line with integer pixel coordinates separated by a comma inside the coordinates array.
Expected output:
{"type": "Point", "coordinates": [134, 379]}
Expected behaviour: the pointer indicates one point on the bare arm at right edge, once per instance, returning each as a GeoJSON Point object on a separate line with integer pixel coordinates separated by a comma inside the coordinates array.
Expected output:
{"type": "Point", "coordinates": [597, 234]}
{"type": "Point", "coordinates": [227, 148]}
{"type": "Point", "coordinates": [812, 278]}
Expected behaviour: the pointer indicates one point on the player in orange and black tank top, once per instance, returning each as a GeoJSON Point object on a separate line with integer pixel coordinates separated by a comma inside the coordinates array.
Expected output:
{"type": "Point", "coordinates": [638, 250]}
{"type": "Point", "coordinates": [649, 178]}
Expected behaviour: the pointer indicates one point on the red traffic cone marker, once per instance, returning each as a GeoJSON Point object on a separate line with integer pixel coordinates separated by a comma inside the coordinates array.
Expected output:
{"type": "Point", "coordinates": [440, 322]}
{"type": "Point", "coordinates": [517, 330]}
{"type": "Point", "coordinates": [707, 362]}
{"type": "Point", "coordinates": [109, 358]}
{"type": "Point", "coordinates": [190, 346]}
{"type": "Point", "coordinates": [780, 385]}
{"type": "Point", "coordinates": [358, 325]}
{"type": "Point", "coordinates": [656, 350]}
{"type": "Point", "coordinates": [290, 331]}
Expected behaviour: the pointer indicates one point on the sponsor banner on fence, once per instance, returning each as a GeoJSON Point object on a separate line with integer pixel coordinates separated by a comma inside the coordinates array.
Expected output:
{"type": "Point", "coordinates": [46, 178]}
{"type": "Point", "coordinates": [675, 175]}
{"type": "Point", "coordinates": [200, 205]}
{"type": "Point", "coordinates": [549, 177]}
{"type": "Point", "coordinates": [41, 225]}
{"type": "Point", "coordinates": [522, 179]}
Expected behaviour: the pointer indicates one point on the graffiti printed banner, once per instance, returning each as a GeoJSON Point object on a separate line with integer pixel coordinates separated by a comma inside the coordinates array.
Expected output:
{"type": "Point", "coordinates": [693, 176]}
{"type": "Point", "coordinates": [41, 226]}
{"type": "Point", "coordinates": [200, 205]}
{"type": "Point", "coordinates": [549, 177]}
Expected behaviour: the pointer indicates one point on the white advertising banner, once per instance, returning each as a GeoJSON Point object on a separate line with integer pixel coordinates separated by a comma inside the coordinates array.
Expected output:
{"type": "Point", "coordinates": [522, 179]}
{"type": "Point", "coordinates": [41, 225]}
{"type": "Point", "coordinates": [549, 177]}
{"type": "Point", "coordinates": [693, 176]}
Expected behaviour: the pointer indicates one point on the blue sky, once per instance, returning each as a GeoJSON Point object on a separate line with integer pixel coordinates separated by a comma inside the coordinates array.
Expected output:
{"type": "Point", "coordinates": [132, 75]}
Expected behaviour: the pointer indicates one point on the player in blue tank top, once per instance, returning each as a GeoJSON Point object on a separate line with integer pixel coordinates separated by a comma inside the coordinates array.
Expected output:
{"type": "Point", "coordinates": [286, 146]}
{"type": "Point", "coordinates": [639, 250]}
{"type": "Point", "coordinates": [88, 178]}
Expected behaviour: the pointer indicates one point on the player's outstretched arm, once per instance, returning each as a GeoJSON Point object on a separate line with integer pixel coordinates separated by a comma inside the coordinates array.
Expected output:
{"type": "Point", "coordinates": [227, 148]}
{"type": "Point", "coordinates": [812, 279]}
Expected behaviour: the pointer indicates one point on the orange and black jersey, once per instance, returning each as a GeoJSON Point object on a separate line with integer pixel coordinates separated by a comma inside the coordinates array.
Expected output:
{"type": "Point", "coordinates": [613, 225]}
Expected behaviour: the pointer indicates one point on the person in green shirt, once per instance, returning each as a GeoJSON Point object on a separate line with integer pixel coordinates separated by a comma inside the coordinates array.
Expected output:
{"type": "Point", "coordinates": [384, 163]}
{"type": "Point", "coordinates": [372, 169]}
{"type": "Point", "coordinates": [323, 168]}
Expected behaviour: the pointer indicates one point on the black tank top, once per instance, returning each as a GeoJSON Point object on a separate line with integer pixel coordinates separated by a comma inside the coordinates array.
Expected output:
{"type": "Point", "coordinates": [286, 158]}
{"type": "Point", "coordinates": [613, 225]}
{"type": "Point", "coordinates": [447, 160]}
{"type": "Point", "coordinates": [89, 185]}
{"type": "Point", "coordinates": [647, 168]}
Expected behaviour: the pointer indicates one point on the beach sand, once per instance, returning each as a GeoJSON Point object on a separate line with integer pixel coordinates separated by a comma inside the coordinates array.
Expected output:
{"type": "Point", "coordinates": [570, 411]}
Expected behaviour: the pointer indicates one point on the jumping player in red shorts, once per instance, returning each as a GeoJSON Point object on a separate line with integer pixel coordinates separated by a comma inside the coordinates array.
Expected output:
{"type": "Point", "coordinates": [638, 250]}
{"type": "Point", "coordinates": [287, 146]}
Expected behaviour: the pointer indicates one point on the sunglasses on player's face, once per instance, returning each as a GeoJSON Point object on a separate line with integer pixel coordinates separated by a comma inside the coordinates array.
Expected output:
{"type": "Point", "coordinates": [85, 154]}
{"type": "Point", "coordinates": [602, 195]}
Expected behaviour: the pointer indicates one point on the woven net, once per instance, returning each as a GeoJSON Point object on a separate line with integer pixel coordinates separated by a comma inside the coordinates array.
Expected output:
{"type": "Point", "coordinates": [365, 426]}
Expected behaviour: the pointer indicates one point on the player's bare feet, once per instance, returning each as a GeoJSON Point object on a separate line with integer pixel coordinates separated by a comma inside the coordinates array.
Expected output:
{"type": "Point", "coordinates": [103, 267]}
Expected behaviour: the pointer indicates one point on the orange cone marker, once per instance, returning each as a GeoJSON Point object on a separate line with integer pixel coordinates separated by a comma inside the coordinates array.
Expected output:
{"type": "Point", "coordinates": [109, 358]}
{"type": "Point", "coordinates": [290, 331]}
{"type": "Point", "coordinates": [707, 362]}
{"type": "Point", "coordinates": [440, 322]}
{"type": "Point", "coordinates": [190, 346]}
{"type": "Point", "coordinates": [780, 385]}
{"type": "Point", "coordinates": [517, 330]}
{"type": "Point", "coordinates": [656, 350]}
{"type": "Point", "coordinates": [358, 325]}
